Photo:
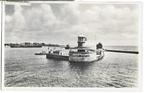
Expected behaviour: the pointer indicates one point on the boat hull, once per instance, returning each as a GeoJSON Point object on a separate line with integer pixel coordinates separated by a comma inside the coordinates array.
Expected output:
{"type": "Point", "coordinates": [82, 57]}
{"type": "Point", "coordinates": [77, 57]}
{"type": "Point", "coordinates": [57, 57]}
{"type": "Point", "coordinates": [92, 57]}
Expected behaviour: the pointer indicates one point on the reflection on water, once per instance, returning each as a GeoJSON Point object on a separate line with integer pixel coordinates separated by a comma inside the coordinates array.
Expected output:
{"type": "Point", "coordinates": [81, 67]}
{"type": "Point", "coordinates": [24, 69]}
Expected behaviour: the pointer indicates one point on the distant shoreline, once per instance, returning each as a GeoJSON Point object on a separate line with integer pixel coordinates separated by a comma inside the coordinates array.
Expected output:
{"type": "Point", "coordinates": [30, 45]}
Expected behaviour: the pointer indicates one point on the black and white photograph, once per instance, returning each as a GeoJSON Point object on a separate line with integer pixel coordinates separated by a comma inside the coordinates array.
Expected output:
{"type": "Point", "coordinates": [74, 45]}
{"type": "Point", "coordinates": [34, 0]}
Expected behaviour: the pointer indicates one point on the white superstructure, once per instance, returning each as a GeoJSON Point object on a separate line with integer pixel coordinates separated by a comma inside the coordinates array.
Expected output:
{"type": "Point", "coordinates": [82, 53]}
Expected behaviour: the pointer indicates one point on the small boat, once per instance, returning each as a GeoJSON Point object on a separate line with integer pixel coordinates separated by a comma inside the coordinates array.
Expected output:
{"type": "Point", "coordinates": [58, 55]}
{"type": "Point", "coordinates": [41, 53]}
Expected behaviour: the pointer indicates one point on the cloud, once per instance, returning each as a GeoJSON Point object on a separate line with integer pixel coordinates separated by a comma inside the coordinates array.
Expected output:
{"type": "Point", "coordinates": [14, 23]}
{"type": "Point", "coordinates": [62, 23]}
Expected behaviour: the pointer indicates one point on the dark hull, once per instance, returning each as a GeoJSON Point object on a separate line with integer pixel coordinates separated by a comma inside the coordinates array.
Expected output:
{"type": "Point", "coordinates": [57, 57]}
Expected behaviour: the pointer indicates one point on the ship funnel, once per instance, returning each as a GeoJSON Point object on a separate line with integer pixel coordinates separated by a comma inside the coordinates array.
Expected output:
{"type": "Point", "coordinates": [81, 41]}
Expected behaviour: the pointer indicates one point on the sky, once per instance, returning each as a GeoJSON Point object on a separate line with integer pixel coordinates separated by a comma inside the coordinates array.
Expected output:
{"type": "Point", "coordinates": [62, 23]}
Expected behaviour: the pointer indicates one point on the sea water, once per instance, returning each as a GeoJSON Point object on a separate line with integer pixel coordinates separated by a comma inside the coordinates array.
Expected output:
{"type": "Point", "coordinates": [24, 69]}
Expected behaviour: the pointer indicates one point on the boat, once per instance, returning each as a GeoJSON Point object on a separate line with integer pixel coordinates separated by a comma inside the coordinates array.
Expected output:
{"type": "Point", "coordinates": [41, 53]}
{"type": "Point", "coordinates": [58, 55]}
{"type": "Point", "coordinates": [84, 54]}
{"type": "Point", "coordinates": [77, 54]}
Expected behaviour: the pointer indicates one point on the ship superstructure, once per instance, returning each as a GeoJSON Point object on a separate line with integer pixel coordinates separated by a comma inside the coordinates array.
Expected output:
{"type": "Point", "coordinates": [82, 53]}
